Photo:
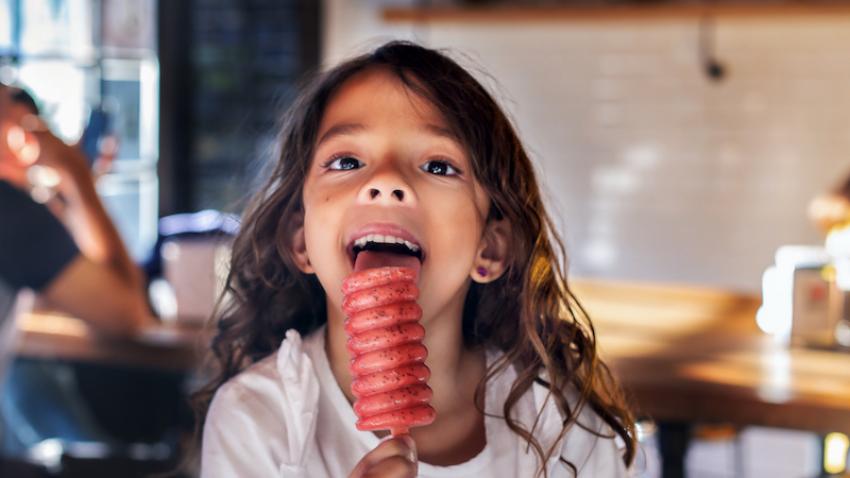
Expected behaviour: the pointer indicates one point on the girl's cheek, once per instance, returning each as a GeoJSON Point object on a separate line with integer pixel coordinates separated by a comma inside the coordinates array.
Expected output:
{"type": "Point", "coordinates": [460, 226]}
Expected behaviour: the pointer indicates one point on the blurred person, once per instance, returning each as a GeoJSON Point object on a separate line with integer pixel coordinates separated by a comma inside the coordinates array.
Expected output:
{"type": "Point", "coordinates": [77, 261]}
{"type": "Point", "coordinates": [72, 256]}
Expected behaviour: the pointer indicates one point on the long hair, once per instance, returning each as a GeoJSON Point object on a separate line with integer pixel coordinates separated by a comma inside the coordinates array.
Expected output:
{"type": "Point", "coordinates": [529, 313]}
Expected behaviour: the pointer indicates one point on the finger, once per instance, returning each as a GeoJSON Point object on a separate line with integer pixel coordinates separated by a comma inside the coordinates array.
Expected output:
{"type": "Point", "coordinates": [108, 151]}
{"type": "Point", "coordinates": [23, 145]}
{"type": "Point", "coordinates": [27, 129]}
{"type": "Point", "coordinates": [33, 123]}
{"type": "Point", "coordinates": [392, 467]}
{"type": "Point", "coordinates": [108, 146]}
{"type": "Point", "coordinates": [19, 114]}
{"type": "Point", "coordinates": [402, 446]}
{"type": "Point", "coordinates": [16, 138]}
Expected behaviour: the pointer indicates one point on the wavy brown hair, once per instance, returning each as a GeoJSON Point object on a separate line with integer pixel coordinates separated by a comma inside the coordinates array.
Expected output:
{"type": "Point", "coordinates": [529, 313]}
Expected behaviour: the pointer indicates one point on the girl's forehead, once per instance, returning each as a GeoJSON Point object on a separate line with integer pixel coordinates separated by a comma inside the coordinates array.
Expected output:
{"type": "Point", "coordinates": [378, 95]}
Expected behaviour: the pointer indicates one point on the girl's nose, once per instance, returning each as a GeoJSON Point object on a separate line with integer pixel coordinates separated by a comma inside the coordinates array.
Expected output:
{"type": "Point", "coordinates": [387, 187]}
{"type": "Point", "coordinates": [375, 193]}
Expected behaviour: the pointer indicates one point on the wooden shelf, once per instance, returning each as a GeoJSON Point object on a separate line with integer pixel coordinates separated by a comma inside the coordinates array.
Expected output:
{"type": "Point", "coordinates": [654, 12]}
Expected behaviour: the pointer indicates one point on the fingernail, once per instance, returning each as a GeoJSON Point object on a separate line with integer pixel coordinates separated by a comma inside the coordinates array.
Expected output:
{"type": "Point", "coordinates": [29, 154]}
{"type": "Point", "coordinates": [16, 138]}
{"type": "Point", "coordinates": [411, 445]}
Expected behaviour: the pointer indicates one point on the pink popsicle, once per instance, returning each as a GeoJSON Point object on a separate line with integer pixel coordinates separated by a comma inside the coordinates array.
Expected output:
{"type": "Point", "coordinates": [385, 343]}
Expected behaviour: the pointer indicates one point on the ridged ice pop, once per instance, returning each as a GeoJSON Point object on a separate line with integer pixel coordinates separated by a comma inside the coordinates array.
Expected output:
{"type": "Point", "coordinates": [385, 343]}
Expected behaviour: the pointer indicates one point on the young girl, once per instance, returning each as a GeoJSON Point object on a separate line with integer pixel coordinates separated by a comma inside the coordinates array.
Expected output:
{"type": "Point", "coordinates": [403, 142]}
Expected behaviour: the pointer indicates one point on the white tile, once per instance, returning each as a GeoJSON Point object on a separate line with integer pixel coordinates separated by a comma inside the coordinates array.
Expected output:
{"type": "Point", "coordinates": [734, 162]}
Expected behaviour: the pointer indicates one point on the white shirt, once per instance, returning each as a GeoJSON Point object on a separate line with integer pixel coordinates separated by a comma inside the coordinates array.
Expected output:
{"type": "Point", "coordinates": [286, 416]}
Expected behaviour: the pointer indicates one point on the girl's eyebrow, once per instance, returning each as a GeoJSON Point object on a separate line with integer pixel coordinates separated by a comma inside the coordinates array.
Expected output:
{"type": "Point", "coordinates": [340, 130]}
{"type": "Point", "coordinates": [441, 131]}
{"type": "Point", "coordinates": [343, 129]}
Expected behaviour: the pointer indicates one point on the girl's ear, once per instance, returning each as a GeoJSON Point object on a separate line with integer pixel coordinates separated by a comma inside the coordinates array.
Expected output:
{"type": "Point", "coordinates": [492, 258]}
{"type": "Point", "coordinates": [299, 245]}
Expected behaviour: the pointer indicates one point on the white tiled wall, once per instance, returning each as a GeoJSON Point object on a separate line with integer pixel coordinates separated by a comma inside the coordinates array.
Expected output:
{"type": "Point", "coordinates": [654, 172]}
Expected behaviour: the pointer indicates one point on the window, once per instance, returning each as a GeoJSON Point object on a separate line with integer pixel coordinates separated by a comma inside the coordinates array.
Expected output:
{"type": "Point", "coordinates": [75, 55]}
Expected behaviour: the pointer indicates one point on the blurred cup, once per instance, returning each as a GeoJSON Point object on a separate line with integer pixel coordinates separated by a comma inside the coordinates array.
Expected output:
{"type": "Point", "coordinates": [196, 271]}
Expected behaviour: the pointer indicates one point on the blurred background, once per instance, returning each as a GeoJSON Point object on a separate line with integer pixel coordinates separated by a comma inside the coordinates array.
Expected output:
{"type": "Point", "coordinates": [680, 145]}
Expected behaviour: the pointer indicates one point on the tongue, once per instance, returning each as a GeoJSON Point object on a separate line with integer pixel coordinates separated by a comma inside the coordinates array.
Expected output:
{"type": "Point", "coordinates": [372, 259]}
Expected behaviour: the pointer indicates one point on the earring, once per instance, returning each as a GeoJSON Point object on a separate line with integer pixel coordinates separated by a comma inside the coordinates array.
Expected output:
{"type": "Point", "coordinates": [481, 271]}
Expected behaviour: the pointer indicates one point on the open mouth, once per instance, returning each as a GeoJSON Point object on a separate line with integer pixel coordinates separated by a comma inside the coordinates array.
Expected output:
{"type": "Point", "coordinates": [384, 243]}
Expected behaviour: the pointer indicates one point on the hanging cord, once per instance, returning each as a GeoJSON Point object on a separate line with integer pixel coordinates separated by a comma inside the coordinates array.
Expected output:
{"type": "Point", "coordinates": [714, 69]}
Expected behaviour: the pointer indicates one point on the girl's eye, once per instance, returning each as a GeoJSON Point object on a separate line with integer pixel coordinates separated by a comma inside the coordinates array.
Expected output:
{"type": "Point", "coordinates": [440, 168]}
{"type": "Point", "coordinates": [344, 163]}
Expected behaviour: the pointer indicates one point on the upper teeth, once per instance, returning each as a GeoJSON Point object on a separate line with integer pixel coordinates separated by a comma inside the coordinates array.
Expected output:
{"type": "Point", "coordinates": [386, 239]}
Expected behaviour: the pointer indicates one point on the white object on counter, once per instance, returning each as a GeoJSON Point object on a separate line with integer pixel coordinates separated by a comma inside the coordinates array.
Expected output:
{"type": "Point", "coordinates": [838, 247]}
{"type": "Point", "coordinates": [196, 269]}
{"type": "Point", "coordinates": [782, 303]}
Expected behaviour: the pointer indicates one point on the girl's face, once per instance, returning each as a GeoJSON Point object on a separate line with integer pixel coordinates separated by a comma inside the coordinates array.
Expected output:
{"type": "Point", "coordinates": [385, 160]}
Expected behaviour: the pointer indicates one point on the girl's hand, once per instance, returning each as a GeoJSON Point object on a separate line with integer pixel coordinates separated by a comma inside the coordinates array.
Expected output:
{"type": "Point", "coordinates": [393, 458]}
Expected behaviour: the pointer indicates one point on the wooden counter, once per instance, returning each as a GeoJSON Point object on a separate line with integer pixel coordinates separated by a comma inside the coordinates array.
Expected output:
{"type": "Point", "coordinates": [684, 354]}
{"type": "Point", "coordinates": [696, 355]}
{"type": "Point", "coordinates": [53, 336]}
